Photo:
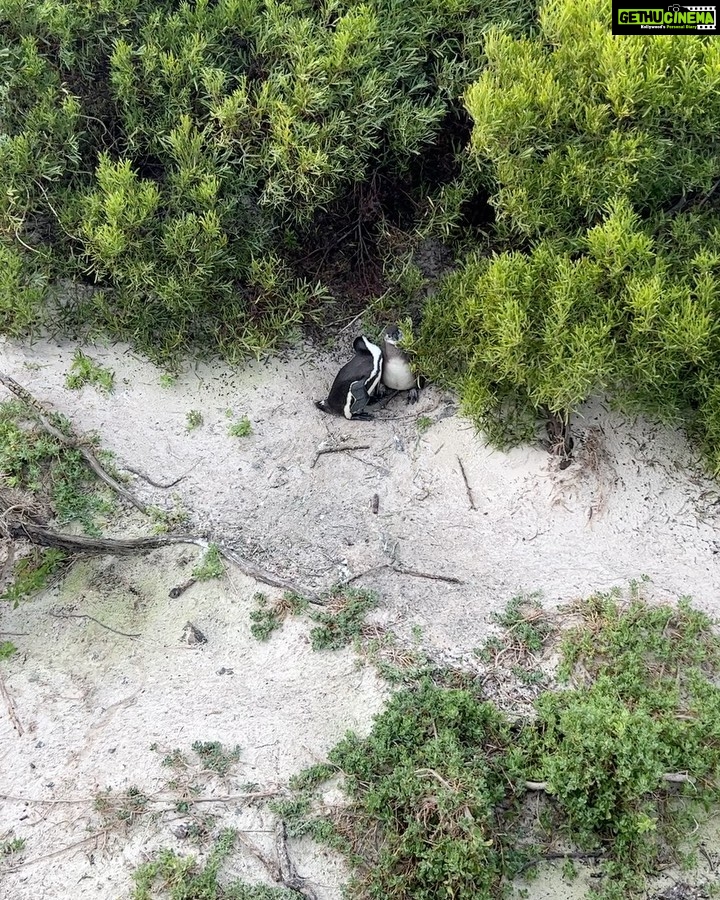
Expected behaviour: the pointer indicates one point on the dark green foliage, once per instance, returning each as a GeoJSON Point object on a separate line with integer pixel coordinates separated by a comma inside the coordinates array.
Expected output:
{"type": "Point", "coordinates": [266, 619]}
{"type": "Point", "coordinates": [188, 156]}
{"type": "Point", "coordinates": [214, 757]}
{"type": "Point", "coordinates": [343, 622]}
{"type": "Point", "coordinates": [177, 877]}
{"type": "Point", "coordinates": [437, 785]}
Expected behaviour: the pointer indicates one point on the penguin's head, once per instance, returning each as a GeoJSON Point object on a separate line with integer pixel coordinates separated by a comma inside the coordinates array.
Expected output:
{"type": "Point", "coordinates": [392, 334]}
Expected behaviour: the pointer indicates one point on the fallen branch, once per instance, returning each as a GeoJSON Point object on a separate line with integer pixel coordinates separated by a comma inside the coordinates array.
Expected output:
{"type": "Point", "coordinates": [80, 543]}
{"type": "Point", "coordinates": [337, 450]}
{"type": "Point", "coordinates": [467, 484]}
{"type": "Point", "coordinates": [43, 416]}
{"type": "Point", "coordinates": [400, 570]}
{"type": "Point", "coordinates": [10, 707]}
{"type": "Point", "coordinates": [571, 854]}
{"type": "Point", "coordinates": [56, 615]}
{"type": "Point", "coordinates": [668, 777]}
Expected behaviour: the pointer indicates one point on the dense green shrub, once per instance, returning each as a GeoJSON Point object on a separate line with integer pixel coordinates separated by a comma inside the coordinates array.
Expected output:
{"type": "Point", "coordinates": [574, 118]}
{"type": "Point", "coordinates": [188, 156]}
{"type": "Point", "coordinates": [439, 791]}
{"type": "Point", "coordinates": [616, 284]}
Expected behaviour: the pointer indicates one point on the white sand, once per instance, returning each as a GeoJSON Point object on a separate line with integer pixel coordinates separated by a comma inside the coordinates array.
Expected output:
{"type": "Point", "coordinates": [92, 702]}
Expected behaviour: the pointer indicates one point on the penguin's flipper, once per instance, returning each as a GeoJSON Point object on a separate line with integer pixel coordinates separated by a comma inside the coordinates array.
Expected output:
{"type": "Point", "coordinates": [357, 400]}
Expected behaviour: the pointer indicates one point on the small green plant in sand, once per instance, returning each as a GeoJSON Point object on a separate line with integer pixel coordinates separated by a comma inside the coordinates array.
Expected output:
{"type": "Point", "coordinates": [268, 618]}
{"type": "Point", "coordinates": [616, 765]}
{"type": "Point", "coordinates": [84, 370]}
{"type": "Point", "coordinates": [423, 424]}
{"type": "Point", "coordinates": [341, 621]}
{"type": "Point", "coordinates": [167, 380]}
{"type": "Point", "coordinates": [43, 470]}
{"type": "Point", "coordinates": [242, 428]}
{"type": "Point", "coordinates": [210, 566]}
{"type": "Point", "coordinates": [32, 573]}
{"type": "Point", "coordinates": [12, 845]}
{"type": "Point", "coordinates": [193, 419]}
{"type": "Point", "coordinates": [168, 876]}
{"type": "Point", "coordinates": [7, 650]}
{"type": "Point", "coordinates": [121, 808]}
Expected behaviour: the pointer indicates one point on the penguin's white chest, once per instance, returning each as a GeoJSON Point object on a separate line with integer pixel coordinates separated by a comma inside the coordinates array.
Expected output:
{"type": "Point", "coordinates": [397, 374]}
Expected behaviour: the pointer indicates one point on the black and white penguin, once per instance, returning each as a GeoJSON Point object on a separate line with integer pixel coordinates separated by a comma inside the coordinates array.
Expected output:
{"type": "Point", "coordinates": [356, 383]}
{"type": "Point", "coordinates": [397, 374]}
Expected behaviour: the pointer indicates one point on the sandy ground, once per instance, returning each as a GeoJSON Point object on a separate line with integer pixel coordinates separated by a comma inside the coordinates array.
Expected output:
{"type": "Point", "coordinates": [92, 702]}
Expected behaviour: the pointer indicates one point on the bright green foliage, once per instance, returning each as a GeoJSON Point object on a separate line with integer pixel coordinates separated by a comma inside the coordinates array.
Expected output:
{"type": "Point", "coordinates": [85, 370]}
{"type": "Point", "coordinates": [188, 155]}
{"type": "Point", "coordinates": [7, 649]}
{"type": "Point", "coordinates": [243, 428]}
{"type": "Point", "coordinates": [602, 155]}
{"type": "Point", "coordinates": [211, 565]}
{"type": "Point", "coordinates": [625, 312]}
{"type": "Point", "coordinates": [573, 119]}
{"type": "Point", "coordinates": [31, 574]}
{"type": "Point", "coordinates": [23, 287]}
{"type": "Point", "coordinates": [194, 419]}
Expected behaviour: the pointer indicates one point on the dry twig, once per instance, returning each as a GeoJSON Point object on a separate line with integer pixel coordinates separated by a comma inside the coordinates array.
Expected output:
{"type": "Point", "coordinates": [467, 484]}
{"type": "Point", "coordinates": [56, 615]}
{"type": "Point", "coordinates": [340, 449]}
{"type": "Point", "coordinates": [10, 707]}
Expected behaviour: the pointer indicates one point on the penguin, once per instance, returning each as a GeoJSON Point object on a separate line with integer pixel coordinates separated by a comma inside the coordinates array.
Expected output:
{"type": "Point", "coordinates": [356, 383]}
{"type": "Point", "coordinates": [397, 374]}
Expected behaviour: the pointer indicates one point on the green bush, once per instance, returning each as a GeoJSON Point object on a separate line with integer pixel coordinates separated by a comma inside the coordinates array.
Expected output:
{"type": "Point", "coordinates": [615, 285]}
{"type": "Point", "coordinates": [449, 798]}
{"type": "Point", "coordinates": [574, 118]}
{"type": "Point", "coordinates": [189, 156]}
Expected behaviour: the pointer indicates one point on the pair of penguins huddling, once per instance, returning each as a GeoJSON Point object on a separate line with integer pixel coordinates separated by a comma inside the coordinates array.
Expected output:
{"type": "Point", "coordinates": [360, 382]}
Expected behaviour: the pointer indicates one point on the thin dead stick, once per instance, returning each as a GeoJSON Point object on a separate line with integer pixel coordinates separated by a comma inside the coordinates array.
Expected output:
{"type": "Point", "coordinates": [399, 570]}
{"type": "Point", "coordinates": [467, 484]}
{"type": "Point", "coordinates": [92, 619]}
{"type": "Point", "coordinates": [43, 416]}
{"type": "Point", "coordinates": [572, 854]}
{"type": "Point", "coordinates": [37, 859]}
{"type": "Point", "coordinates": [224, 798]}
{"type": "Point", "coordinates": [10, 707]}
{"type": "Point", "coordinates": [337, 450]}
{"type": "Point", "coordinates": [288, 873]}
{"type": "Point", "coordinates": [159, 484]}
{"type": "Point", "coordinates": [413, 573]}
